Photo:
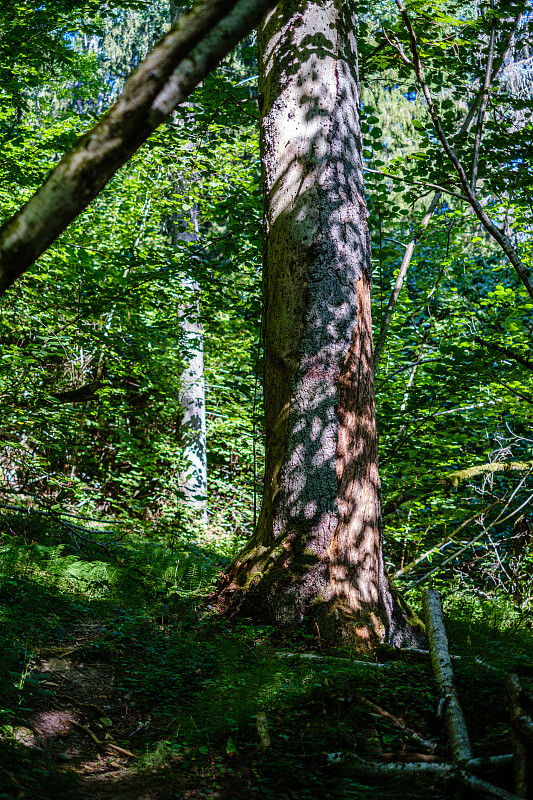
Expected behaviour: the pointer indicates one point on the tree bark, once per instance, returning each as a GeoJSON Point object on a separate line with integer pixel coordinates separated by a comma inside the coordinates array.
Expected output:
{"type": "Point", "coordinates": [443, 671]}
{"type": "Point", "coordinates": [316, 553]}
{"type": "Point", "coordinates": [193, 429]}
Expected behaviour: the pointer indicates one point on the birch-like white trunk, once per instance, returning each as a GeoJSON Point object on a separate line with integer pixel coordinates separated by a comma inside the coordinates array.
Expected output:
{"type": "Point", "coordinates": [193, 475]}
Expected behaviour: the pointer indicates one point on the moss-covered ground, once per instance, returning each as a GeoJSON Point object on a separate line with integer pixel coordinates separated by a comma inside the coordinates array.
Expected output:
{"type": "Point", "coordinates": [117, 679]}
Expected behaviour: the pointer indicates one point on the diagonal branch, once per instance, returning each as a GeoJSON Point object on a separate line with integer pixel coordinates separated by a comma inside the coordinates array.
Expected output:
{"type": "Point", "coordinates": [490, 75]}
{"type": "Point", "coordinates": [185, 56]}
{"type": "Point", "coordinates": [503, 240]}
{"type": "Point", "coordinates": [483, 105]}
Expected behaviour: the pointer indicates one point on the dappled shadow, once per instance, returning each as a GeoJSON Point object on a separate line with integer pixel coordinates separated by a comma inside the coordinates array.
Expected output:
{"type": "Point", "coordinates": [318, 542]}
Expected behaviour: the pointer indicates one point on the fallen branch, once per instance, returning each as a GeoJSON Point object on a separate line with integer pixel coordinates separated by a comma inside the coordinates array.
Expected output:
{"type": "Point", "coordinates": [339, 659]}
{"type": "Point", "coordinates": [72, 700]}
{"type": "Point", "coordinates": [120, 750]}
{"type": "Point", "coordinates": [435, 772]}
{"type": "Point", "coordinates": [522, 732]}
{"type": "Point", "coordinates": [88, 732]}
{"type": "Point", "coordinates": [442, 669]}
{"type": "Point", "coordinates": [439, 772]}
{"type": "Point", "coordinates": [399, 724]}
{"type": "Point", "coordinates": [102, 746]}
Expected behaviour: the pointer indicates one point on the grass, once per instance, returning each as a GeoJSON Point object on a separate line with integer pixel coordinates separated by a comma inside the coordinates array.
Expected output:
{"type": "Point", "coordinates": [188, 685]}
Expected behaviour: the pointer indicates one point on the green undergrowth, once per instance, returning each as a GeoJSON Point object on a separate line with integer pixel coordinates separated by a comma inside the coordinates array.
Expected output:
{"type": "Point", "coordinates": [193, 683]}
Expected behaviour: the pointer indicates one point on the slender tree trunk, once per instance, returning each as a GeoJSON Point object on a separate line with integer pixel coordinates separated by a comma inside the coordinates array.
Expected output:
{"type": "Point", "coordinates": [193, 477]}
{"type": "Point", "coordinates": [317, 550]}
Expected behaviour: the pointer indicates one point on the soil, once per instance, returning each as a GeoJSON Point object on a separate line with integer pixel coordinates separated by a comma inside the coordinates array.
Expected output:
{"type": "Point", "coordinates": [85, 725]}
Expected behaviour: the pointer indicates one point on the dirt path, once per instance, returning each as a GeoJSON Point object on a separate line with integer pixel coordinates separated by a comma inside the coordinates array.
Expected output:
{"type": "Point", "coordinates": [85, 724]}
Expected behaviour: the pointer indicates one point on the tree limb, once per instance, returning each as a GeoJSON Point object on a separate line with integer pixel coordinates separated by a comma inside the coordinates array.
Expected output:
{"type": "Point", "coordinates": [185, 55]}
{"type": "Point", "coordinates": [503, 240]}
{"type": "Point", "coordinates": [442, 669]}
{"type": "Point", "coordinates": [484, 469]}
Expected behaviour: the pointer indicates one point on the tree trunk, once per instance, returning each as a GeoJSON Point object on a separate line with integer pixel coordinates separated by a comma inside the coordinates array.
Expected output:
{"type": "Point", "coordinates": [316, 553]}
{"type": "Point", "coordinates": [193, 477]}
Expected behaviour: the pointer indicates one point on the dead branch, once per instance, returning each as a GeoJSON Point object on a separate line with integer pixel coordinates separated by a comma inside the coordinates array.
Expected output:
{"type": "Point", "coordinates": [399, 724]}
{"type": "Point", "coordinates": [442, 669]}
{"type": "Point", "coordinates": [522, 732]}
{"type": "Point", "coordinates": [435, 772]}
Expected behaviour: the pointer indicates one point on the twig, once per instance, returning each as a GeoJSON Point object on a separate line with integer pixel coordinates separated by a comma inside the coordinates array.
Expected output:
{"type": "Point", "coordinates": [399, 724]}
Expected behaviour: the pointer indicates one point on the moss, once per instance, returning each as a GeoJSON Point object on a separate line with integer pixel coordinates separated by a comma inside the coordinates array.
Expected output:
{"type": "Point", "coordinates": [411, 617]}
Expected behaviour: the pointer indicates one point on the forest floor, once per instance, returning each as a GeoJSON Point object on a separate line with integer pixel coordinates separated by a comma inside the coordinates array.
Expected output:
{"type": "Point", "coordinates": [152, 696]}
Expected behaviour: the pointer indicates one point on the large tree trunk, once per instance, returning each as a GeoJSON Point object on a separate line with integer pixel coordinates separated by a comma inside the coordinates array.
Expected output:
{"type": "Point", "coordinates": [316, 553]}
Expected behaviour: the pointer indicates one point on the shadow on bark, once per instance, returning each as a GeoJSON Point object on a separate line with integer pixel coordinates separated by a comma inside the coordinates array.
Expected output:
{"type": "Point", "coordinates": [316, 554]}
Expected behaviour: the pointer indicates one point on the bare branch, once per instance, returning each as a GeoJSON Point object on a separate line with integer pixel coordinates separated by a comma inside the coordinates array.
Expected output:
{"type": "Point", "coordinates": [483, 106]}
{"type": "Point", "coordinates": [503, 240]}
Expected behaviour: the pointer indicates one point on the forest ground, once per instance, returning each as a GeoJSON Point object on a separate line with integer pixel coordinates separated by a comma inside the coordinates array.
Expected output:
{"type": "Point", "coordinates": [137, 663]}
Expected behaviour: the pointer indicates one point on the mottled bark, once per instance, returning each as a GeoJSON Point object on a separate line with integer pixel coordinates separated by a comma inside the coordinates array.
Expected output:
{"type": "Point", "coordinates": [193, 477]}
{"type": "Point", "coordinates": [317, 551]}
